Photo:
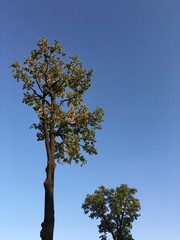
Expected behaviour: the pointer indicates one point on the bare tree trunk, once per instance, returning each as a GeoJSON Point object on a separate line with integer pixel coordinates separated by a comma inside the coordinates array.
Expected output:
{"type": "Point", "coordinates": [48, 223]}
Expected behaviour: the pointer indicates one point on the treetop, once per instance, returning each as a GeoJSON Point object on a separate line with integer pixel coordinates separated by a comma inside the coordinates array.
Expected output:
{"type": "Point", "coordinates": [54, 86]}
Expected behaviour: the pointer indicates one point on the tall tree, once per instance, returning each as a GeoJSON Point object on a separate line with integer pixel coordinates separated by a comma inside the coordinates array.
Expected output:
{"type": "Point", "coordinates": [116, 209]}
{"type": "Point", "coordinates": [54, 86]}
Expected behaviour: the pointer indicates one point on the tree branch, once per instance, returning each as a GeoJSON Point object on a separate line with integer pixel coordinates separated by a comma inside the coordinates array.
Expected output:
{"type": "Point", "coordinates": [108, 225]}
{"type": "Point", "coordinates": [46, 134]}
{"type": "Point", "coordinates": [65, 100]}
{"type": "Point", "coordinates": [38, 95]}
{"type": "Point", "coordinates": [39, 86]}
{"type": "Point", "coordinates": [52, 130]}
{"type": "Point", "coordinates": [121, 217]}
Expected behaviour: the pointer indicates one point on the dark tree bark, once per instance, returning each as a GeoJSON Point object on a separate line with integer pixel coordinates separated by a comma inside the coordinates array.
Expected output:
{"type": "Point", "coordinates": [48, 223]}
{"type": "Point", "coordinates": [49, 219]}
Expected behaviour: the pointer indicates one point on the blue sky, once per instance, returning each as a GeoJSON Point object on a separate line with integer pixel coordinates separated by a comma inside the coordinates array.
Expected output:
{"type": "Point", "coordinates": [133, 47]}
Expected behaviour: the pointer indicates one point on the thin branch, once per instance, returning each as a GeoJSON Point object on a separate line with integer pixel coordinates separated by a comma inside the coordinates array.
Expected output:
{"type": "Point", "coordinates": [39, 86]}
{"type": "Point", "coordinates": [38, 95]}
{"type": "Point", "coordinates": [34, 91]}
{"type": "Point", "coordinates": [54, 84]}
{"type": "Point", "coordinates": [65, 100]}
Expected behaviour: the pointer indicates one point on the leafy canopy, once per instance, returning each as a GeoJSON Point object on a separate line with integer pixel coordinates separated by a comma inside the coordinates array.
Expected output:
{"type": "Point", "coordinates": [55, 89]}
{"type": "Point", "coordinates": [116, 209]}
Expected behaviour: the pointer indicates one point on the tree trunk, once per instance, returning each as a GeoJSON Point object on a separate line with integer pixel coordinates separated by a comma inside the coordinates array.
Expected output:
{"type": "Point", "coordinates": [48, 223]}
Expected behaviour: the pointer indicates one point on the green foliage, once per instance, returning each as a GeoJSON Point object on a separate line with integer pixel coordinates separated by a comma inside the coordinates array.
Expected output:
{"type": "Point", "coordinates": [55, 90]}
{"type": "Point", "coordinates": [116, 209]}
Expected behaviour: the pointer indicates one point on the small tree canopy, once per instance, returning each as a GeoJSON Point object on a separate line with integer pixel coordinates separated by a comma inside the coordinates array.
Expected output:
{"type": "Point", "coordinates": [116, 209]}
{"type": "Point", "coordinates": [55, 89]}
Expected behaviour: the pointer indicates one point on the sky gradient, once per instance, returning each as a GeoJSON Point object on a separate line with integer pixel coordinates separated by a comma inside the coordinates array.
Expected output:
{"type": "Point", "coordinates": [133, 47]}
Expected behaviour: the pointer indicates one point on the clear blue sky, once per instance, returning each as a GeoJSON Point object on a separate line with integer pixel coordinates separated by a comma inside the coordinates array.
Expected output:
{"type": "Point", "coordinates": [134, 48]}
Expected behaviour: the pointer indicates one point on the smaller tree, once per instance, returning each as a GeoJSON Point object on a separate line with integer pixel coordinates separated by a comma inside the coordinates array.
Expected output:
{"type": "Point", "coordinates": [116, 209]}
